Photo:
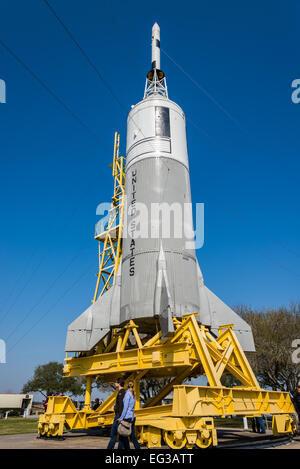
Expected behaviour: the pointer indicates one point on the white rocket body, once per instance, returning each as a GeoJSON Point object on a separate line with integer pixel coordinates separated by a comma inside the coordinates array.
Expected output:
{"type": "Point", "coordinates": [155, 46]}
{"type": "Point", "coordinates": [159, 277]}
{"type": "Point", "coordinates": [157, 177]}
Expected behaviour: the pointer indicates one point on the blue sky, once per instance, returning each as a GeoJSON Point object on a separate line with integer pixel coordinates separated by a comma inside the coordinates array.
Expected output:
{"type": "Point", "coordinates": [243, 141]}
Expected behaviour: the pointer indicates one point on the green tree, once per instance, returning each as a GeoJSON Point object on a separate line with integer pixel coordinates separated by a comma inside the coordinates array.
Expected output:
{"type": "Point", "coordinates": [274, 331]}
{"type": "Point", "coordinates": [148, 387]}
{"type": "Point", "coordinates": [151, 387]}
{"type": "Point", "coordinates": [49, 378]}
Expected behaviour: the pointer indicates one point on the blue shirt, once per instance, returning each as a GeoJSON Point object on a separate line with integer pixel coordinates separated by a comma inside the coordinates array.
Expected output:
{"type": "Point", "coordinates": [129, 403]}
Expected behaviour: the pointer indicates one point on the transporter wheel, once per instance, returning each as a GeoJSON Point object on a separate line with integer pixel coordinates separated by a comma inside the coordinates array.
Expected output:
{"type": "Point", "coordinates": [189, 446]}
{"type": "Point", "coordinates": [204, 439]}
{"type": "Point", "coordinates": [45, 430]}
{"type": "Point", "coordinates": [175, 439]}
{"type": "Point", "coordinates": [53, 429]}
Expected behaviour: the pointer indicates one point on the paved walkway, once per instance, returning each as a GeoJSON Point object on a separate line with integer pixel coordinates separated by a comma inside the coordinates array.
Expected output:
{"type": "Point", "coordinates": [71, 441]}
{"type": "Point", "coordinates": [84, 441]}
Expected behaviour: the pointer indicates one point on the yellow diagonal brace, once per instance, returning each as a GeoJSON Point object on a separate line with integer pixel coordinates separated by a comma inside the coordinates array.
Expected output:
{"type": "Point", "coordinates": [203, 353]}
{"type": "Point", "coordinates": [244, 379]}
{"type": "Point", "coordinates": [241, 359]}
{"type": "Point", "coordinates": [110, 401]}
{"type": "Point", "coordinates": [137, 337]}
{"type": "Point", "coordinates": [165, 391]}
{"type": "Point", "coordinates": [221, 365]}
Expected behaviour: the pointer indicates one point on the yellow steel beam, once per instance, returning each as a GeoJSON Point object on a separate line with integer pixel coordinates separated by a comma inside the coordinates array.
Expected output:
{"type": "Point", "coordinates": [221, 365]}
{"type": "Point", "coordinates": [166, 356]}
{"type": "Point", "coordinates": [241, 357]}
{"type": "Point", "coordinates": [110, 401]}
{"type": "Point", "coordinates": [202, 401]}
{"type": "Point", "coordinates": [88, 392]}
{"type": "Point", "coordinates": [168, 388]}
{"type": "Point", "coordinates": [203, 354]}
{"type": "Point", "coordinates": [190, 405]}
{"type": "Point", "coordinates": [191, 344]}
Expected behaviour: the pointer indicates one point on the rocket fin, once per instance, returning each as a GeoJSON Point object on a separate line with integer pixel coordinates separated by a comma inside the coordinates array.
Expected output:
{"type": "Point", "coordinates": [205, 314]}
{"type": "Point", "coordinates": [95, 322]}
{"type": "Point", "coordinates": [222, 314]}
{"type": "Point", "coordinates": [162, 299]}
{"type": "Point", "coordinates": [214, 313]}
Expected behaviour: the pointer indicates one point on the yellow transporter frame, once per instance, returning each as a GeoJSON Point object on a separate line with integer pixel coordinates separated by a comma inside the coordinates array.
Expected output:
{"type": "Point", "coordinates": [192, 351]}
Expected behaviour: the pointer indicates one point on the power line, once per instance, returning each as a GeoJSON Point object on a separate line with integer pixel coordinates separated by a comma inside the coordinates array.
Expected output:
{"type": "Point", "coordinates": [75, 117]}
{"type": "Point", "coordinates": [22, 289]}
{"type": "Point", "coordinates": [204, 91]}
{"type": "Point", "coordinates": [51, 308]}
{"type": "Point", "coordinates": [49, 91]}
{"type": "Point", "coordinates": [87, 58]}
{"type": "Point", "coordinates": [44, 257]}
{"type": "Point", "coordinates": [201, 88]}
{"type": "Point", "coordinates": [90, 62]}
{"type": "Point", "coordinates": [112, 91]}
{"type": "Point", "coordinates": [43, 295]}
{"type": "Point", "coordinates": [18, 279]}
{"type": "Point", "coordinates": [100, 77]}
{"type": "Point", "coordinates": [234, 120]}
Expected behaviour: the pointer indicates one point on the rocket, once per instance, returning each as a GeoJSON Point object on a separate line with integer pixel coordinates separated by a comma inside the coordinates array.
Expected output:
{"type": "Point", "coordinates": [159, 277]}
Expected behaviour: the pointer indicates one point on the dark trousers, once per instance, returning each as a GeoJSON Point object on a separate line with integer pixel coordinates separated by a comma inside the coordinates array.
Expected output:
{"type": "Point", "coordinates": [133, 437]}
{"type": "Point", "coordinates": [113, 433]}
{"type": "Point", "coordinates": [123, 440]}
{"type": "Point", "coordinates": [258, 425]}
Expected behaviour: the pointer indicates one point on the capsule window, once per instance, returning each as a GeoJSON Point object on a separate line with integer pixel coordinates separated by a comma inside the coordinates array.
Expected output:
{"type": "Point", "coordinates": [162, 121]}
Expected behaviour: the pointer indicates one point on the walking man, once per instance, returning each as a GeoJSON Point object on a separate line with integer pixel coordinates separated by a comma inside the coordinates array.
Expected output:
{"type": "Point", "coordinates": [119, 384]}
{"type": "Point", "coordinates": [296, 402]}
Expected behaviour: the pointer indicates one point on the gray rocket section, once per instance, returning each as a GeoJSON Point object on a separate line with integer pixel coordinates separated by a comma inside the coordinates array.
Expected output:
{"type": "Point", "coordinates": [94, 323]}
{"type": "Point", "coordinates": [157, 177]}
{"type": "Point", "coordinates": [159, 277]}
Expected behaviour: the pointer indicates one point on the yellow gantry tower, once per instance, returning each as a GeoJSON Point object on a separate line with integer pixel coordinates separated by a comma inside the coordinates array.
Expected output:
{"type": "Point", "coordinates": [192, 351]}
{"type": "Point", "coordinates": [110, 240]}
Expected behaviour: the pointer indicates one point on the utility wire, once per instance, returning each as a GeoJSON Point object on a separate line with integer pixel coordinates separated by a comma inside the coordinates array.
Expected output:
{"type": "Point", "coordinates": [75, 117]}
{"type": "Point", "coordinates": [204, 91]}
{"type": "Point", "coordinates": [49, 91]}
{"type": "Point", "coordinates": [208, 95]}
{"type": "Point", "coordinates": [94, 67]}
{"type": "Point", "coordinates": [100, 76]}
{"type": "Point", "coordinates": [44, 295]}
{"type": "Point", "coordinates": [18, 279]}
{"type": "Point", "coordinates": [87, 58]}
{"type": "Point", "coordinates": [102, 79]}
{"type": "Point", "coordinates": [51, 307]}
{"type": "Point", "coordinates": [22, 289]}
{"type": "Point", "coordinates": [171, 59]}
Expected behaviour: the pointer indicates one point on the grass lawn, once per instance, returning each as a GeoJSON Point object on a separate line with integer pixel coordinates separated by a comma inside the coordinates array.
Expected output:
{"type": "Point", "coordinates": [14, 425]}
